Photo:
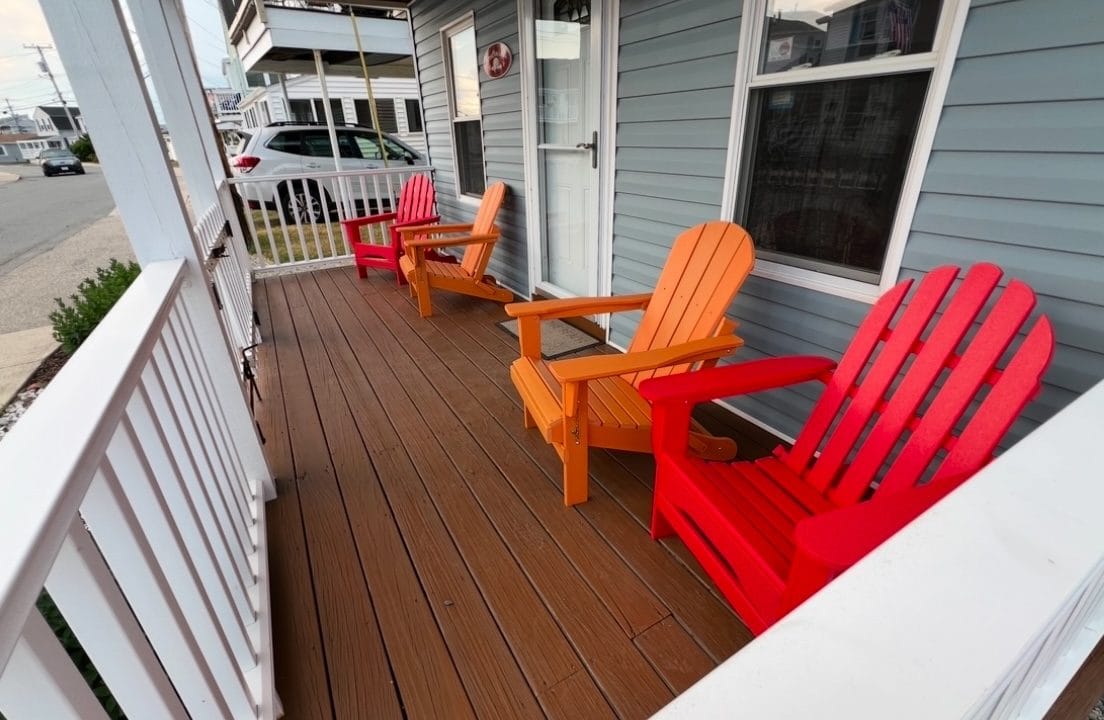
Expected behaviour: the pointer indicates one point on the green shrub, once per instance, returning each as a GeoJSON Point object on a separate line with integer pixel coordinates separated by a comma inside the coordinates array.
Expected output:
{"type": "Point", "coordinates": [82, 148]}
{"type": "Point", "coordinates": [74, 321]}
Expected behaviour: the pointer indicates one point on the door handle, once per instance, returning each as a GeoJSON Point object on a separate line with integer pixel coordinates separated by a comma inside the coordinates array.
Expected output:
{"type": "Point", "coordinates": [593, 147]}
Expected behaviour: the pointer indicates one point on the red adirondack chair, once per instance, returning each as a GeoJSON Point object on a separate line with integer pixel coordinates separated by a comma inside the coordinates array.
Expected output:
{"type": "Point", "coordinates": [774, 531]}
{"type": "Point", "coordinates": [415, 207]}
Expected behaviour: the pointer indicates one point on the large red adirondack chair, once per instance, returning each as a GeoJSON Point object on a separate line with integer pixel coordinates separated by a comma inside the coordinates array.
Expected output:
{"type": "Point", "coordinates": [773, 531]}
{"type": "Point", "coordinates": [415, 207]}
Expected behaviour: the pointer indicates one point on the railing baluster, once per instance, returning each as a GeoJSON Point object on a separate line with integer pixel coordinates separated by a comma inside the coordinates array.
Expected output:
{"type": "Point", "coordinates": [41, 681]}
{"type": "Point", "coordinates": [329, 225]}
{"type": "Point", "coordinates": [265, 215]}
{"type": "Point", "coordinates": [181, 430]}
{"type": "Point", "coordinates": [84, 590]}
{"type": "Point", "coordinates": [283, 226]}
{"type": "Point", "coordinates": [379, 209]}
{"type": "Point", "coordinates": [181, 359]}
{"type": "Point", "coordinates": [313, 223]}
{"type": "Point", "coordinates": [203, 676]}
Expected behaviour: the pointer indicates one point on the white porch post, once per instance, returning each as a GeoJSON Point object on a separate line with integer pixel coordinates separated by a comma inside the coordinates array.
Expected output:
{"type": "Point", "coordinates": [320, 68]}
{"type": "Point", "coordinates": [93, 42]}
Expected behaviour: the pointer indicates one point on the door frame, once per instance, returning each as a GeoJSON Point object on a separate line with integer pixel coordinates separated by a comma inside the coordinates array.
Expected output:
{"type": "Point", "coordinates": [607, 129]}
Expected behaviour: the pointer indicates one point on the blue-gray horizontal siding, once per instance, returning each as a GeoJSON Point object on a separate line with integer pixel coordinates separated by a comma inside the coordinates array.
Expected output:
{"type": "Point", "coordinates": [676, 65]}
{"type": "Point", "coordinates": [495, 21]}
{"type": "Point", "coordinates": [1016, 175]}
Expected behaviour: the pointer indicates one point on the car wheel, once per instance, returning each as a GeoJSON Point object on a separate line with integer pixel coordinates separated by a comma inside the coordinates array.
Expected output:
{"type": "Point", "coordinates": [304, 205]}
{"type": "Point", "coordinates": [80, 171]}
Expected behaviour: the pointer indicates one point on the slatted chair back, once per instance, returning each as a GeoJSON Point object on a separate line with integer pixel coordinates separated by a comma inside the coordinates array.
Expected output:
{"type": "Point", "coordinates": [706, 267]}
{"type": "Point", "coordinates": [478, 255]}
{"type": "Point", "coordinates": [416, 199]}
{"type": "Point", "coordinates": [867, 429]}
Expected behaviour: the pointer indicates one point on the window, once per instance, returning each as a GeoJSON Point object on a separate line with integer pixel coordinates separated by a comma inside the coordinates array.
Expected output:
{"type": "Point", "coordinates": [368, 147]}
{"type": "Point", "coordinates": [335, 107]}
{"type": "Point", "coordinates": [413, 116]}
{"type": "Point", "coordinates": [464, 105]}
{"type": "Point", "coordinates": [385, 111]}
{"type": "Point", "coordinates": [834, 102]}
{"type": "Point", "coordinates": [288, 141]}
{"type": "Point", "coordinates": [3, 150]}
{"type": "Point", "coordinates": [316, 143]}
{"type": "Point", "coordinates": [300, 110]}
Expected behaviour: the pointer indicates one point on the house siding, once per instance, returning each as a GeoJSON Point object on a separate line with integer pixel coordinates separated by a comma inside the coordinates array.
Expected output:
{"type": "Point", "coordinates": [1016, 174]}
{"type": "Point", "coordinates": [675, 71]}
{"type": "Point", "coordinates": [1016, 177]}
{"type": "Point", "coordinates": [504, 156]}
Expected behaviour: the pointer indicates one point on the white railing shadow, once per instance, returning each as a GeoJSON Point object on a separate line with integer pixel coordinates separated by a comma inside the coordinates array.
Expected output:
{"type": "Point", "coordinates": [125, 496]}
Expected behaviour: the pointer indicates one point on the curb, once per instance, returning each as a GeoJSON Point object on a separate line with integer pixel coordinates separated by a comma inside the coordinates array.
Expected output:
{"type": "Point", "coordinates": [8, 178]}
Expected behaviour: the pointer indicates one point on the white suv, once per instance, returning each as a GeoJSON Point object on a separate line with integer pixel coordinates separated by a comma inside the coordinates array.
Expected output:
{"type": "Point", "coordinates": [296, 149]}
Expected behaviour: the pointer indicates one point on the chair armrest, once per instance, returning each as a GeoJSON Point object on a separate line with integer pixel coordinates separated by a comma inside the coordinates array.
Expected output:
{"type": "Point", "coordinates": [575, 307]}
{"type": "Point", "coordinates": [440, 242]}
{"type": "Point", "coordinates": [427, 220]}
{"type": "Point", "coordinates": [829, 543]}
{"type": "Point", "coordinates": [736, 379]}
{"type": "Point", "coordinates": [359, 222]}
{"type": "Point", "coordinates": [600, 366]}
{"type": "Point", "coordinates": [434, 229]}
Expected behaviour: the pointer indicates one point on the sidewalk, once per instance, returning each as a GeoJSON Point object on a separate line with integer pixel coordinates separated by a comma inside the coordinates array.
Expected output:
{"type": "Point", "coordinates": [20, 355]}
{"type": "Point", "coordinates": [27, 293]}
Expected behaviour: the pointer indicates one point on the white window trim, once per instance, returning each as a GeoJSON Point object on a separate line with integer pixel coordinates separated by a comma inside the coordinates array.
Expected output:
{"type": "Point", "coordinates": [940, 61]}
{"type": "Point", "coordinates": [461, 23]}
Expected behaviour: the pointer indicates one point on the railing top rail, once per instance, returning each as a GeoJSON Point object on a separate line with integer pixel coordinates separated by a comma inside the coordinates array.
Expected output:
{"type": "Point", "coordinates": [398, 170]}
{"type": "Point", "coordinates": [49, 456]}
{"type": "Point", "coordinates": [951, 609]}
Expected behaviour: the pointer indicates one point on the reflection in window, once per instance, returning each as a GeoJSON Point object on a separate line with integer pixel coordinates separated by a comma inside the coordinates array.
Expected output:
{"type": "Point", "coordinates": [812, 33]}
{"type": "Point", "coordinates": [464, 104]}
{"type": "Point", "coordinates": [826, 165]}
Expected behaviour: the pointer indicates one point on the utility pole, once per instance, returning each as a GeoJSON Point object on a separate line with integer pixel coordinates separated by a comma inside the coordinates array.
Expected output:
{"type": "Point", "coordinates": [11, 112]}
{"type": "Point", "coordinates": [45, 67]}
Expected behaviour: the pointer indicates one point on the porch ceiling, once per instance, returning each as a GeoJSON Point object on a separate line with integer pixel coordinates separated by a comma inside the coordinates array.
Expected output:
{"type": "Point", "coordinates": [420, 550]}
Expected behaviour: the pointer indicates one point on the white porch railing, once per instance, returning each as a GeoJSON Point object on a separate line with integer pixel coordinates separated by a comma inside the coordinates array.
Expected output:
{"type": "Point", "coordinates": [229, 268]}
{"type": "Point", "coordinates": [295, 220]}
{"type": "Point", "coordinates": [125, 496]}
{"type": "Point", "coordinates": [984, 607]}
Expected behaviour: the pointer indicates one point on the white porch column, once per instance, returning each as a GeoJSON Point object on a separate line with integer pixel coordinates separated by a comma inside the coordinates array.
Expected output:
{"type": "Point", "coordinates": [93, 41]}
{"type": "Point", "coordinates": [320, 68]}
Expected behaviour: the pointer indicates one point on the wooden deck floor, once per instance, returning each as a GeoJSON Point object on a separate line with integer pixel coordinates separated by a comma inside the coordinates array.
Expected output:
{"type": "Point", "coordinates": [422, 562]}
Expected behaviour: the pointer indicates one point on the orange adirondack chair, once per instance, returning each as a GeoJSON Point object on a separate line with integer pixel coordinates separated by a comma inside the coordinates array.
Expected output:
{"type": "Point", "coordinates": [415, 207]}
{"type": "Point", "coordinates": [593, 401]}
{"type": "Point", "coordinates": [467, 276]}
{"type": "Point", "coordinates": [774, 531]}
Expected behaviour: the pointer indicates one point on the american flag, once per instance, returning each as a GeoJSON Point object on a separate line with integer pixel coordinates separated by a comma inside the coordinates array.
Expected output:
{"type": "Point", "coordinates": [902, 14]}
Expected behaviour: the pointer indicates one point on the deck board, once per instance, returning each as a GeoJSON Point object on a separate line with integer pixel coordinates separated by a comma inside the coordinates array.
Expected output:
{"type": "Point", "coordinates": [423, 560]}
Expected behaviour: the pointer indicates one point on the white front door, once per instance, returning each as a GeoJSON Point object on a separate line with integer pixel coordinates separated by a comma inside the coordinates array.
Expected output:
{"type": "Point", "coordinates": [567, 41]}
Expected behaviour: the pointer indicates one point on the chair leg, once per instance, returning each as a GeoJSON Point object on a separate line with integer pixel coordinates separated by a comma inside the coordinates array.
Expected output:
{"type": "Point", "coordinates": [574, 473]}
{"type": "Point", "coordinates": [362, 272]}
{"type": "Point", "coordinates": [527, 419]}
{"type": "Point", "coordinates": [425, 306]}
{"type": "Point", "coordinates": [661, 528]}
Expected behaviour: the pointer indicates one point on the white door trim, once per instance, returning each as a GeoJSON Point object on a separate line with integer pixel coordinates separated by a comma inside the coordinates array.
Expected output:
{"type": "Point", "coordinates": [607, 133]}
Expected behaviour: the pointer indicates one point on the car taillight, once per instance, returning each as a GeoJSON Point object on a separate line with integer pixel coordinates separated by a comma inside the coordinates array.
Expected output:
{"type": "Point", "coordinates": [246, 163]}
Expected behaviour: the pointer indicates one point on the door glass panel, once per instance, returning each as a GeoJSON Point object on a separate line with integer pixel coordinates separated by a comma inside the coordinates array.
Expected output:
{"type": "Point", "coordinates": [566, 116]}
{"type": "Point", "coordinates": [814, 33]}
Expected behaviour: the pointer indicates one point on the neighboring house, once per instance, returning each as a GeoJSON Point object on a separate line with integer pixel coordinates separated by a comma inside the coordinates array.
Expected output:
{"type": "Point", "coordinates": [52, 121]}
{"type": "Point", "coordinates": [397, 104]}
{"type": "Point", "coordinates": [966, 134]}
{"type": "Point", "coordinates": [10, 151]}
{"type": "Point", "coordinates": [16, 124]}
{"type": "Point", "coordinates": [33, 144]}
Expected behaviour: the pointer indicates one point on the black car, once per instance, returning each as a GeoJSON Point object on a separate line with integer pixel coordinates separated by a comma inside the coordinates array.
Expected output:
{"type": "Point", "coordinates": [60, 160]}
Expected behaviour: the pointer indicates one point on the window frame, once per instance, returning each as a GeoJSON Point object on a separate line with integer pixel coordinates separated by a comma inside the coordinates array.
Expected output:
{"type": "Point", "coordinates": [465, 21]}
{"type": "Point", "coordinates": [418, 114]}
{"type": "Point", "coordinates": [938, 62]}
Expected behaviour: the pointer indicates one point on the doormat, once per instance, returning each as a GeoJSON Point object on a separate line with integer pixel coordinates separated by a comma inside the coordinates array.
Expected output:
{"type": "Point", "coordinates": [557, 338]}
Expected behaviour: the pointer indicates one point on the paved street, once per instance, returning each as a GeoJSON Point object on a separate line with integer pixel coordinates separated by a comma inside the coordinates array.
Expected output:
{"type": "Point", "coordinates": [37, 212]}
{"type": "Point", "coordinates": [54, 232]}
